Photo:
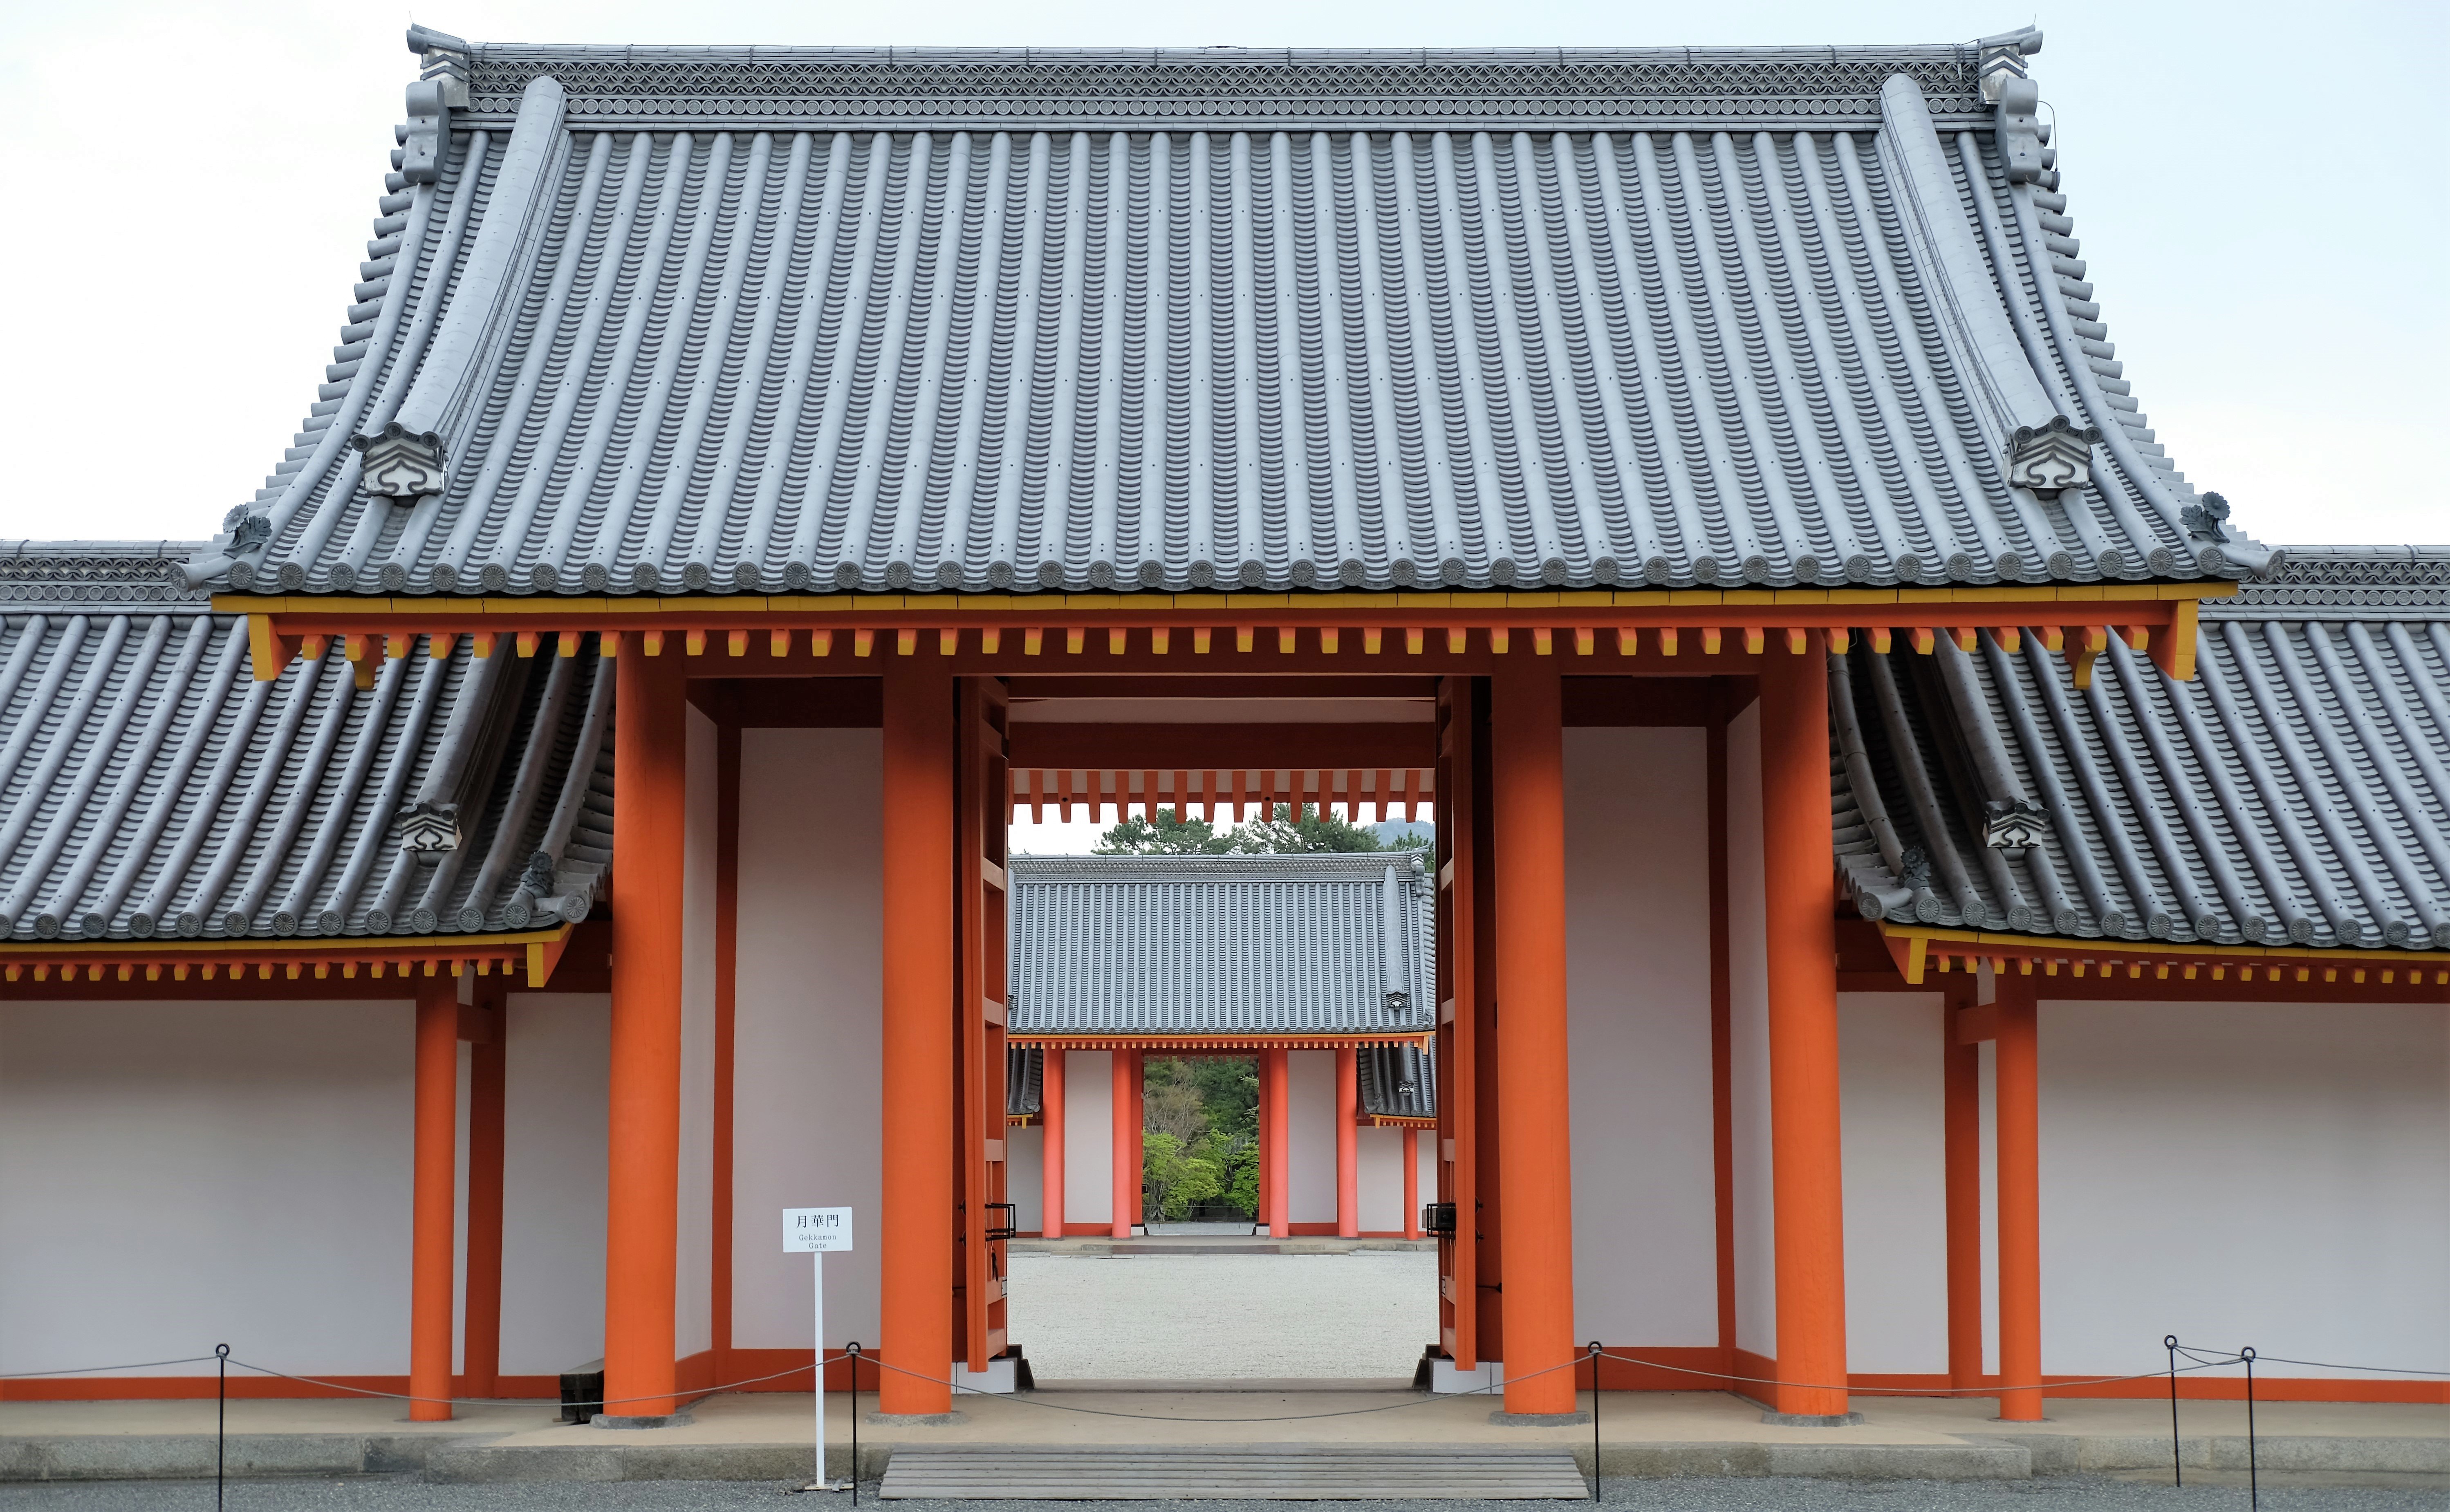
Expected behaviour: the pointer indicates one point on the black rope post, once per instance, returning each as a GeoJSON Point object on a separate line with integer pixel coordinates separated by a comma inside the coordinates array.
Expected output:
{"type": "Point", "coordinates": [1594, 1347]}
{"type": "Point", "coordinates": [852, 1349]}
{"type": "Point", "coordinates": [221, 1422]}
{"type": "Point", "coordinates": [2253, 1490]}
{"type": "Point", "coordinates": [2177, 1467]}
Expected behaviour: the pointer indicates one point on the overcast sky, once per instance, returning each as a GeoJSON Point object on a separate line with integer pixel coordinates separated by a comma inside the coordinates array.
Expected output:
{"type": "Point", "coordinates": [188, 187]}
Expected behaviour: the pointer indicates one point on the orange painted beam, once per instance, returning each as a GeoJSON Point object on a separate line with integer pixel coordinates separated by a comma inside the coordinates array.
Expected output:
{"type": "Point", "coordinates": [1275, 1139]}
{"type": "Point", "coordinates": [1050, 1114]}
{"type": "Point", "coordinates": [480, 1350]}
{"type": "Point", "coordinates": [1798, 903]}
{"type": "Point", "coordinates": [434, 1199]}
{"type": "Point", "coordinates": [1961, 1163]}
{"type": "Point", "coordinates": [2016, 1105]}
{"type": "Point", "coordinates": [1121, 1146]}
{"type": "Point", "coordinates": [1534, 1124]}
{"type": "Point", "coordinates": [1412, 1180]}
{"type": "Point", "coordinates": [915, 1239]}
{"type": "Point", "coordinates": [1221, 747]}
{"type": "Point", "coordinates": [1348, 1143]}
{"type": "Point", "coordinates": [643, 1126]}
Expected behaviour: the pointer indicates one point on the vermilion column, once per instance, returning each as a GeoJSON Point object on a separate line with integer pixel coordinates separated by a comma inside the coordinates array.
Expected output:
{"type": "Point", "coordinates": [2017, 1065]}
{"type": "Point", "coordinates": [642, 1123]}
{"type": "Point", "coordinates": [1275, 1129]}
{"type": "Point", "coordinates": [1050, 1115]}
{"type": "Point", "coordinates": [1798, 903]}
{"type": "Point", "coordinates": [480, 1352]}
{"type": "Point", "coordinates": [917, 1237]}
{"type": "Point", "coordinates": [1535, 1133]}
{"type": "Point", "coordinates": [1124, 1148]}
{"type": "Point", "coordinates": [1348, 1142]}
{"type": "Point", "coordinates": [433, 1197]}
{"type": "Point", "coordinates": [1961, 1145]}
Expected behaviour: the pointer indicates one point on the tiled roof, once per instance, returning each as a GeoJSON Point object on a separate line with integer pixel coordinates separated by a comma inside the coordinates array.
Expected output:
{"type": "Point", "coordinates": [1399, 1081]}
{"type": "Point", "coordinates": [669, 321]}
{"type": "Point", "coordinates": [1220, 944]}
{"type": "Point", "coordinates": [2298, 791]}
{"type": "Point", "coordinates": [149, 786]}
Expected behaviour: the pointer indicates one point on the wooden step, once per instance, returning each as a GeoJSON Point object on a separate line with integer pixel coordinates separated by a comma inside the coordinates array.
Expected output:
{"type": "Point", "coordinates": [1307, 1472]}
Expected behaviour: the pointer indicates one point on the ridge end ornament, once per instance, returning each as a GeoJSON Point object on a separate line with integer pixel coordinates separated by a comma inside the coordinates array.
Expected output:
{"type": "Point", "coordinates": [399, 463]}
{"type": "Point", "coordinates": [2053, 457]}
{"type": "Point", "coordinates": [429, 825]}
{"type": "Point", "coordinates": [2203, 522]}
{"type": "Point", "coordinates": [2014, 824]}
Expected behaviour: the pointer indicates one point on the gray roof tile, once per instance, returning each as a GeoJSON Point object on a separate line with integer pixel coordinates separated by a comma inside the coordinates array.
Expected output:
{"type": "Point", "coordinates": [672, 319]}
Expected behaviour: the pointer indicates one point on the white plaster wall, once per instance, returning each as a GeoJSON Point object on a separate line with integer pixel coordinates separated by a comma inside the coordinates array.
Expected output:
{"type": "Point", "coordinates": [693, 1276]}
{"type": "Point", "coordinates": [175, 1175]}
{"type": "Point", "coordinates": [1889, 1088]}
{"type": "Point", "coordinates": [1310, 1190]}
{"type": "Point", "coordinates": [558, 1061]}
{"type": "Point", "coordinates": [1378, 1165]}
{"type": "Point", "coordinates": [1748, 1041]}
{"type": "Point", "coordinates": [2274, 1174]}
{"type": "Point", "coordinates": [1428, 1156]}
{"type": "Point", "coordinates": [1024, 1153]}
{"type": "Point", "coordinates": [808, 1103]}
{"type": "Point", "coordinates": [1638, 977]}
{"type": "Point", "coordinates": [1088, 1136]}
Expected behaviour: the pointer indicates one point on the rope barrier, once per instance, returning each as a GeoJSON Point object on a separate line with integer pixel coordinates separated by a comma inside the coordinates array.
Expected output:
{"type": "Point", "coordinates": [103, 1369]}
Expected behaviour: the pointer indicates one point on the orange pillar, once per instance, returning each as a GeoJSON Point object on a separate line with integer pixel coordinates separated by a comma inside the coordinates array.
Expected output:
{"type": "Point", "coordinates": [1050, 1117]}
{"type": "Point", "coordinates": [643, 1124]}
{"type": "Point", "coordinates": [1348, 1142]}
{"type": "Point", "coordinates": [480, 1350]}
{"type": "Point", "coordinates": [434, 1196]}
{"type": "Point", "coordinates": [1961, 1144]}
{"type": "Point", "coordinates": [2017, 1065]}
{"type": "Point", "coordinates": [1798, 903]}
{"type": "Point", "coordinates": [1275, 1130]}
{"type": "Point", "coordinates": [1535, 1133]}
{"type": "Point", "coordinates": [1411, 1183]}
{"type": "Point", "coordinates": [1124, 1147]}
{"type": "Point", "coordinates": [1139, 1135]}
{"type": "Point", "coordinates": [916, 1239]}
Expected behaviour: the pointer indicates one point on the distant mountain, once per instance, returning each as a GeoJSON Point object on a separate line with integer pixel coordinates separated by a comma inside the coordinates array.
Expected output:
{"type": "Point", "coordinates": [1392, 832]}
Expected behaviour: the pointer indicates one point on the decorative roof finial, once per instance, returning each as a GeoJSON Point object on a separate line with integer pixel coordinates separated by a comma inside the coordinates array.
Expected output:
{"type": "Point", "coordinates": [1913, 870]}
{"type": "Point", "coordinates": [2002, 58]}
{"type": "Point", "coordinates": [2203, 520]}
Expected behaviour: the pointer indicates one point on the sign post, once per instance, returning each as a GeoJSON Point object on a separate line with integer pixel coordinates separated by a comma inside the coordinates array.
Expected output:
{"type": "Point", "coordinates": [816, 1231]}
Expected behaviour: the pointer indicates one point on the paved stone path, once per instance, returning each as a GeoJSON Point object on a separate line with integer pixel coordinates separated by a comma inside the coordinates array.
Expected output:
{"type": "Point", "coordinates": [1204, 1316]}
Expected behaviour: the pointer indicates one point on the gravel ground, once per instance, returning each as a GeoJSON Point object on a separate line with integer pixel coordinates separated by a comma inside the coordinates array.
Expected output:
{"type": "Point", "coordinates": [1205, 1316]}
{"type": "Point", "coordinates": [2090, 1493]}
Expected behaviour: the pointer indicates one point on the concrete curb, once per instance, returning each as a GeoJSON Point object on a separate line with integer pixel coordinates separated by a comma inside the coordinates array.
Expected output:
{"type": "Point", "coordinates": [475, 1458]}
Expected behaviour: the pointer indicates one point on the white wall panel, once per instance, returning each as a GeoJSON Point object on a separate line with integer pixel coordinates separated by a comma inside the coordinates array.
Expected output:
{"type": "Point", "coordinates": [808, 1064]}
{"type": "Point", "coordinates": [2274, 1174]}
{"type": "Point", "coordinates": [175, 1175]}
{"type": "Point", "coordinates": [692, 1276]}
{"type": "Point", "coordinates": [1024, 1153]}
{"type": "Point", "coordinates": [1088, 1136]}
{"type": "Point", "coordinates": [1748, 1041]}
{"type": "Point", "coordinates": [1895, 1156]}
{"type": "Point", "coordinates": [1310, 1193]}
{"type": "Point", "coordinates": [1378, 1165]}
{"type": "Point", "coordinates": [557, 1062]}
{"type": "Point", "coordinates": [1637, 929]}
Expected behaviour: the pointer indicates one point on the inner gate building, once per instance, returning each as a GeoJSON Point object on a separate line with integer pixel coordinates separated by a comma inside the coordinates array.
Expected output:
{"type": "Point", "coordinates": [1921, 897]}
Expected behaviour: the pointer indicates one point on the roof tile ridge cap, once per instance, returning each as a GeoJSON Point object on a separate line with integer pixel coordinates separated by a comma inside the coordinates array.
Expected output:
{"type": "Point", "coordinates": [2241, 554]}
{"type": "Point", "coordinates": [1973, 317]}
{"type": "Point", "coordinates": [478, 290]}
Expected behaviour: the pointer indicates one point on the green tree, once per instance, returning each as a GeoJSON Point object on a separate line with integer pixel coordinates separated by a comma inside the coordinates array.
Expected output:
{"type": "Point", "coordinates": [1283, 831]}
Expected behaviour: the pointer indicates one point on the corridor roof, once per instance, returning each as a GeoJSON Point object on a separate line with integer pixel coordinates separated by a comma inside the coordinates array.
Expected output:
{"type": "Point", "coordinates": [669, 320]}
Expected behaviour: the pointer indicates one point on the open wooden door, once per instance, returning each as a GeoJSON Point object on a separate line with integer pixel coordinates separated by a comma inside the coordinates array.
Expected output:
{"type": "Point", "coordinates": [1470, 1264]}
{"type": "Point", "coordinates": [981, 808]}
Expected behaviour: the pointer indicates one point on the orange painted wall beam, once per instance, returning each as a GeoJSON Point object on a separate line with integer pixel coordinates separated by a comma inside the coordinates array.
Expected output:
{"type": "Point", "coordinates": [1275, 1140]}
{"type": "Point", "coordinates": [1050, 1117]}
{"type": "Point", "coordinates": [1961, 1164]}
{"type": "Point", "coordinates": [1535, 1129]}
{"type": "Point", "coordinates": [433, 1197]}
{"type": "Point", "coordinates": [643, 1126]}
{"type": "Point", "coordinates": [480, 1348]}
{"type": "Point", "coordinates": [916, 1234]}
{"type": "Point", "coordinates": [2016, 1105]}
{"type": "Point", "coordinates": [1411, 1182]}
{"type": "Point", "coordinates": [1348, 1143]}
{"type": "Point", "coordinates": [1124, 1147]}
{"type": "Point", "coordinates": [1807, 1204]}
